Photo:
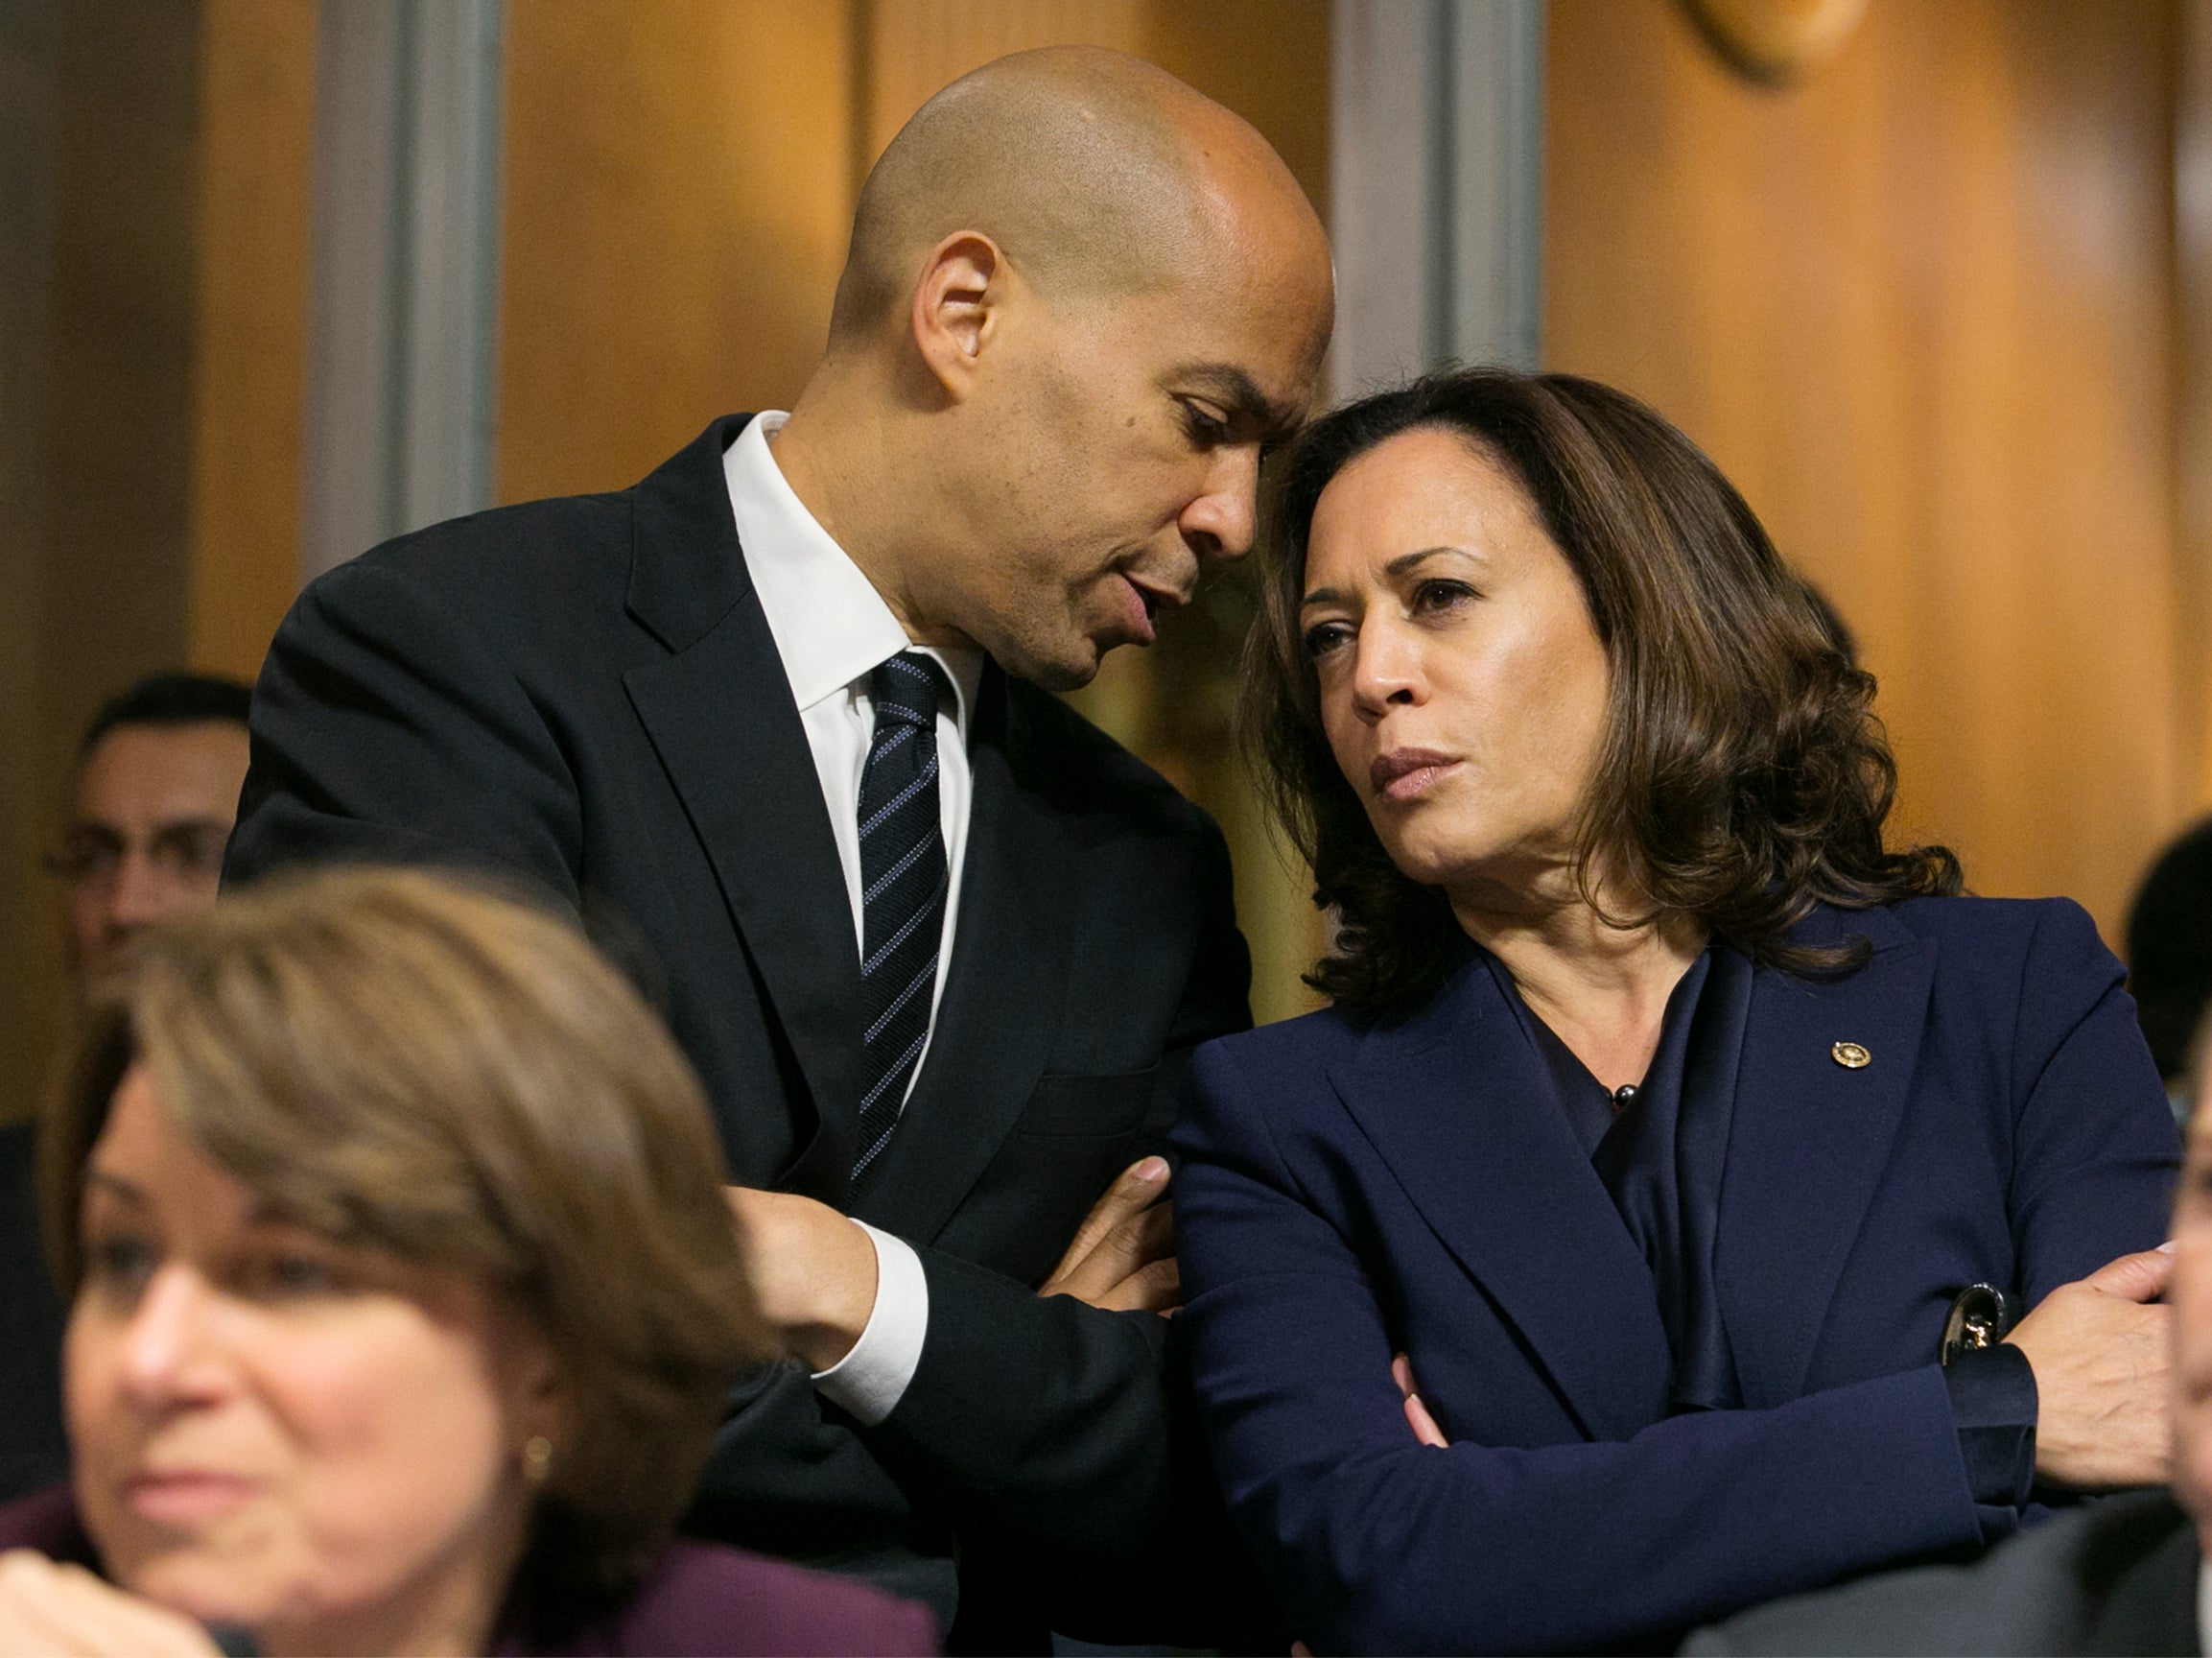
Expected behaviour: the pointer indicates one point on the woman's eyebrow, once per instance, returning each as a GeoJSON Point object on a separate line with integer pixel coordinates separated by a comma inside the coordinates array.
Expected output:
{"type": "Point", "coordinates": [1405, 562]}
{"type": "Point", "coordinates": [1397, 566]}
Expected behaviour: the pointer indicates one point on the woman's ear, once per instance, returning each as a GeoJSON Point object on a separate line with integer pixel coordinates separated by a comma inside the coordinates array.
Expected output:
{"type": "Point", "coordinates": [956, 307]}
{"type": "Point", "coordinates": [535, 1386]}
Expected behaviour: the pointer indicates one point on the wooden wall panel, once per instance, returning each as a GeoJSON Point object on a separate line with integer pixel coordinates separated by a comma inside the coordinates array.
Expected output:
{"type": "Point", "coordinates": [152, 161]}
{"type": "Point", "coordinates": [677, 206]}
{"type": "Point", "coordinates": [1920, 309]}
{"type": "Point", "coordinates": [913, 47]}
{"type": "Point", "coordinates": [256, 133]}
{"type": "Point", "coordinates": [2193, 379]}
{"type": "Point", "coordinates": [29, 48]}
{"type": "Point", "coordinates": [98, 111]}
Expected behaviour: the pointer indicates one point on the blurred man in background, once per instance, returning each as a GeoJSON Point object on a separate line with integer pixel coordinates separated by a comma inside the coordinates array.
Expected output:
{"type": "Point", "coordinates": [151, 803]}
{"type": "Point", "coordinates": [2170, 955]}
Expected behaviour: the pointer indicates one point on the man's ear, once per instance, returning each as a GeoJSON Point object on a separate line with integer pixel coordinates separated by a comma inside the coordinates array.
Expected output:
{"type": "Point", "coordinates": [956, 307]}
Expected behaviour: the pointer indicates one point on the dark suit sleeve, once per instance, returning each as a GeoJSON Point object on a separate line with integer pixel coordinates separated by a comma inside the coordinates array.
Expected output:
{"type": "Point", "coordinates": [1061, 1438]}
{"type": "Point", "coordinates": [1374, 1542]}
{"type": "Point", "coordinates": [387, 731]}
{"type": "Point", "coordinates": [2094, 1145]}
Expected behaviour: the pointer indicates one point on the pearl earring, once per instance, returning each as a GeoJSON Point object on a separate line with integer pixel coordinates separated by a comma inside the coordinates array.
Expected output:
{"type": "Point", "coordinates": [537, 1460]}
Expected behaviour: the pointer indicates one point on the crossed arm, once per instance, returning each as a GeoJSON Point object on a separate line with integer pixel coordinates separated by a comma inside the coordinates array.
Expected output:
{"type": "Point", "coordinates": [813, 1272]}
{"type": "Point", "coordinates": [1376, 1534]}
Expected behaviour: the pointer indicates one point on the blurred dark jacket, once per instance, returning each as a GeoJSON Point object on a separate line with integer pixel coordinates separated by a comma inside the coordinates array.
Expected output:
{"type": "Point", "coordinates": [33, 1452]}
{"type": "Point", "coordinates": [2117, 1577]}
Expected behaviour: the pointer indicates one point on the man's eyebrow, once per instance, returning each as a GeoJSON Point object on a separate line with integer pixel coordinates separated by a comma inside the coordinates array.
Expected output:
{"type": "Point", "coordinates": [1241, 397]}
{"type": "Point", "coordinates": [190, 823]}
{"type": "Point", "coordinates": [115, 1186]}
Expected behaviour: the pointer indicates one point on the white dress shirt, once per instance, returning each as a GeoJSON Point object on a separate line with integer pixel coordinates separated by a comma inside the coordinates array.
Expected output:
{"type": "Point", "coordinates": [833, 630]}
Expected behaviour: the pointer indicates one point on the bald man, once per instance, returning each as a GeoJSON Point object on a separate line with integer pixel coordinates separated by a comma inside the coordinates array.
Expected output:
{"type": "Point", "coordinates": [939, 948]}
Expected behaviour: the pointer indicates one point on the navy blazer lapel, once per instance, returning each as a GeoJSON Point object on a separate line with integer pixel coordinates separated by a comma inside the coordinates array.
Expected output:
{"type": "Point", "coordinates": [1810, 1140]}
{"type": "Point", "coordinates": [720, 714]}
{"type": "Point", "coordinates": [1457, 1103]}
{"type": "Point", "coordinates": [1001, 1001]}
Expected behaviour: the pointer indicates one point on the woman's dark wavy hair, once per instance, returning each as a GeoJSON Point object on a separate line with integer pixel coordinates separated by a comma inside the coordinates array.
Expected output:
{"type": "Point", "coordinates": [1743, 777]}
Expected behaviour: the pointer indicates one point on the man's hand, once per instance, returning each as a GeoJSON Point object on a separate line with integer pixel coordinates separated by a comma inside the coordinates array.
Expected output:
{"type": "Point", "coordinates": [46, 1609]}
{"type": "Point", "coordinates": [812, 1271]}
{"type": "Point", "coordinates": [2102, 1365]}
{"type": "Point", "coordinates": [1123, 1256]}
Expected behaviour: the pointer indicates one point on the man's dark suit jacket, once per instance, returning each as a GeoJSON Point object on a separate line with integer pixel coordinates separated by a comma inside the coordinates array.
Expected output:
{"type": "Point", "coordinates": [1353, 1189]}
{"type": "Point", "coordinates": [2117, 1577]}
{"type": "Point", "coordinates": [585, 692]}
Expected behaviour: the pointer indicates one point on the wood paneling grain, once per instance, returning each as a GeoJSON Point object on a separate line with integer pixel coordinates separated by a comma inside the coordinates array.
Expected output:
{"type": "Point", "coordinates": [917, 46]}
{"type": "Point", "coordinates": [256, 128]}
{"type": "Point", "coordinates": [29, 938]}
{"type": "Point", "coordinates": [1920, 309]}
{"type": "Point", "coordinates": [2193, 382]}
{"type": "Point", "coordinates": [677, 197]}
{"type": "Point", "coordinates": [98, 116]}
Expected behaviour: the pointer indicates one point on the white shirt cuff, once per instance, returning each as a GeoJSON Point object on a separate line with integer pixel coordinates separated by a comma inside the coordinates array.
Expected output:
{"type": "Point", "coordinates": [871, 1380]}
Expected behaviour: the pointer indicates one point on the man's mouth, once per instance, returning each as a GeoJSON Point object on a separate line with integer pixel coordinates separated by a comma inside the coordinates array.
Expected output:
{"type": "Point", "coordinates": [1145, 602]}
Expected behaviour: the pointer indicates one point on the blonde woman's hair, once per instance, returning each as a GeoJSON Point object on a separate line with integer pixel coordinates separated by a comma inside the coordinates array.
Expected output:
{"type": "Point", "coordinates": [408, 1062]}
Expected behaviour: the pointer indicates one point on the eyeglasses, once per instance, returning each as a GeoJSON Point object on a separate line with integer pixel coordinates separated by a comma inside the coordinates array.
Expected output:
{"type": "Point", "coordinates": [93, 854]}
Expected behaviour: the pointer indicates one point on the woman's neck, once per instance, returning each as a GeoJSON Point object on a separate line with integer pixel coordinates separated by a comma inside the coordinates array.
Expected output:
{"type": "Point", "coordinates": [1602, 989]}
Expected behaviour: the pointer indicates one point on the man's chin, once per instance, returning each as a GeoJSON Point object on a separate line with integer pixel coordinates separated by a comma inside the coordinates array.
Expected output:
{"type": "Point", "coordinates": [1061, 677]}
{"type": "Point", "coordinates": [1067, 666]}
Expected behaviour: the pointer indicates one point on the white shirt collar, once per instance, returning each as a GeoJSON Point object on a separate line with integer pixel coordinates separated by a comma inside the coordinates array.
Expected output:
{"type": "Point", "coordinates": [831, 625]}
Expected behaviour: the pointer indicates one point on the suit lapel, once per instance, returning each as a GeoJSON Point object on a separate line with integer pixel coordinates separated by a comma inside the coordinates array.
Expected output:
{"type": "Point", "coordinates": [720, 714]}
{"type": "Point", "coordinates": [994, 1022]}
{"type": "Point", "coordinates": [1810, 1139]}
{"type": "Point", "coordinates": [1457, 1103]}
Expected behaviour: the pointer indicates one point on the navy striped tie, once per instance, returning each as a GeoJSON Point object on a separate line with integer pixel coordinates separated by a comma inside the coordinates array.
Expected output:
{"type": "Point", "coordinates": [903, 881]}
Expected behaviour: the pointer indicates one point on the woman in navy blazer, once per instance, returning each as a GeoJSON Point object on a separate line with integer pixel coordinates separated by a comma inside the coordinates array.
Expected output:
{"type": "Point", "coordinates": [1662, 1111]}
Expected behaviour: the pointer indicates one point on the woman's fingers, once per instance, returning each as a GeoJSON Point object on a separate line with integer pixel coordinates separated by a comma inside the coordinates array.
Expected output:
{"type": "Point", "coordinates": [51, 1611]}
{"type": "Point", "coordinates": [1417, 1416]}
{"type": "Point", "coordinates": [1114, 1259]}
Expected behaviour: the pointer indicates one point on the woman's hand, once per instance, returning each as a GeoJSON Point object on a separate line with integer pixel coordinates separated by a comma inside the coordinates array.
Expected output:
{"type": "Point", "coordinates": [1417, 1416]}
{"type": "Point", "coordinates": [46, 1609]}
{"type": "Point", "coordinates": [1122, 1257]}
{"type": "Point", "coordinates": [2103, 1359]}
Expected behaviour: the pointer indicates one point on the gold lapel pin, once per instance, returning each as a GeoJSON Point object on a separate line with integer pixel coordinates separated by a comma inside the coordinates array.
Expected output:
{"type": "Point", "coordinates": [1850, 1055]}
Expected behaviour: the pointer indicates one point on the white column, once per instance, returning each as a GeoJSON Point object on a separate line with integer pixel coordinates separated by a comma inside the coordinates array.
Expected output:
{"type": "Point", "coordinates": [1435, 185]}
{"type": "Point", "coordinates": [403, 310]}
